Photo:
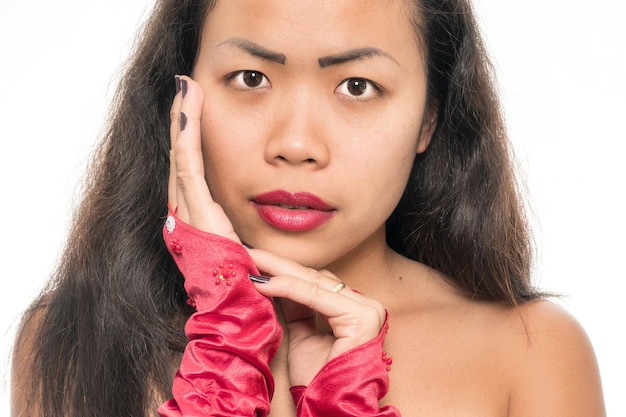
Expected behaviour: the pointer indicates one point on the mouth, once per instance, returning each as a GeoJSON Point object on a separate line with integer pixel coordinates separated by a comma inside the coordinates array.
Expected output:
{"type": "Point", "coordinates": [294, 207]}
{"type": "Point", "coordinates": [293, 212]}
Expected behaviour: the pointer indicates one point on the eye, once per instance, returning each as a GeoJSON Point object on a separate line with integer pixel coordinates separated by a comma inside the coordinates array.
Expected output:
{"type": "Point", "coordinates": [248, 79]}
{"type": "Point", "coordinates": [358, 89]}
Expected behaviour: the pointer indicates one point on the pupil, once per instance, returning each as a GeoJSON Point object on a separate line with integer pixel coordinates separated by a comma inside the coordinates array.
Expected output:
{"type": "Point", "coordinates": [357, 86]}
{"type": "Point", "coordinates": [252, 78]}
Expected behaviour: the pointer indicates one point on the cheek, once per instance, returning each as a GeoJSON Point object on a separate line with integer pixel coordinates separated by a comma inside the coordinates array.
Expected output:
{"type": "Point", "coordinates": [382, 167]}
{"type": "Point", "coordinates": [393, 175]}
{"type": "Point", "coordinates": [230, 130]}
{"type": "Point", "coordinates": [222, 150]}
{"type": "Point", "coordinates": [401, 146]}
{"type": "Point", "coordinates": [212, 148]}
{"type": "Point", "coordinates": [393, 142]}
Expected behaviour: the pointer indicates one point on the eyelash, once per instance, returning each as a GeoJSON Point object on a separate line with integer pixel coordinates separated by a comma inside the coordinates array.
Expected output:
{"type": "Point", "coordinates": [240, 84]}
{"type": "Point", "coordinates": [369, 85]}
{"type": "Point", "coordinates": [236, 79]}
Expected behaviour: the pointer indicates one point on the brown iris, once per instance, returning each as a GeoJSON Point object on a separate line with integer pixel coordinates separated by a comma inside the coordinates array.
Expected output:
{"type": "Point", "coordinates": [252, 78]}
{"type": "Point", "coordinates": [356, 86]}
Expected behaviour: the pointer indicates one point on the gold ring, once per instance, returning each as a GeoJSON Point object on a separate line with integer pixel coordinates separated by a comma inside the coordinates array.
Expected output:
{"type": "Point", "coordinates": [339, 287]}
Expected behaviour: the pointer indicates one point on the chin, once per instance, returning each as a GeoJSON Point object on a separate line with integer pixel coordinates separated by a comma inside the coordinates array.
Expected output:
{"type": "Point", "coordinates": [303, 250]}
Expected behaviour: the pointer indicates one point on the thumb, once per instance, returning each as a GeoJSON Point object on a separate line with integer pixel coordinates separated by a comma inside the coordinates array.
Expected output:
{"type": "Point", "coordinates": [300, 320]}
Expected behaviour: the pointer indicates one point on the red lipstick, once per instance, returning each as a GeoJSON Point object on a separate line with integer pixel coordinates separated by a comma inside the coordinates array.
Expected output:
{"type": "Point", "coordinates": [293, 212]}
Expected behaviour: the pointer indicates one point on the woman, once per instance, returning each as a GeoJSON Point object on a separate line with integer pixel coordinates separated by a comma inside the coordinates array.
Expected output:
{"type": "Point", "coordinates": [355, 145]}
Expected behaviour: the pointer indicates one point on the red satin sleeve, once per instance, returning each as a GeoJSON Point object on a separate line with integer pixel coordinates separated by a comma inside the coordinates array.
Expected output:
{"type": "Point", "coordinates": [349, 385]}
{"type": "Point", "coordinates": [233, 336]}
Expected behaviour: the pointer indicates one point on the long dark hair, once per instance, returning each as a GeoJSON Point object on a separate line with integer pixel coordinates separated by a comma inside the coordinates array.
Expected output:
{"type": "Point", "coordinates": [462, 212]}
{"type": "Point", "coordinates": [110, 323]}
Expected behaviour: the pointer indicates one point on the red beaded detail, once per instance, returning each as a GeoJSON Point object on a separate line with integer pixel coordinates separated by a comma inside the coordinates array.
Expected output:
{"type": "Point", "coordinates": [223, 274]}
{"type": "Point", "coordinates": [176, 247]}
{"type": "Point", "coordinates": [191, 302]}
{"type": "Point", "coordinates": [388, 361]}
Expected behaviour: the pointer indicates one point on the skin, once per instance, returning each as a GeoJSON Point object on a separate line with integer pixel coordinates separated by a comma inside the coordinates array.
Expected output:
{"type": "Point", "coordinates": [300, 129]}
{"type": "Point", "coordinates": [452, 355]}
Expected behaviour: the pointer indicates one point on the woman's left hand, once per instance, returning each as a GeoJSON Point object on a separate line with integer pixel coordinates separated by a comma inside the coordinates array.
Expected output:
{"type": "Point", "coordinates": [353, 317]}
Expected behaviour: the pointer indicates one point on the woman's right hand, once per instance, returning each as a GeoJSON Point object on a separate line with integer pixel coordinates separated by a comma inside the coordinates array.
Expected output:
{"type": "Point", "coordinates": [188, 193]}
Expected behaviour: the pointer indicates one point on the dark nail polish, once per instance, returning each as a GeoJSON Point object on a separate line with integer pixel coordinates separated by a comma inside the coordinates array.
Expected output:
{"type": "Point", "coordinates": [259, 278]}
{"type": "Point", "coordinates": [177, 83]}
{"type": "Point", "coordinates": [183, 121]}
{"type": "Point", "coordinates": [183, 86]}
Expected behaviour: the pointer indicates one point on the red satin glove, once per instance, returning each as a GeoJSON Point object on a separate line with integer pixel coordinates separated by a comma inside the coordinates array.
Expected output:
{"type": "Point", "coordinates": [233, 336]}
{"type": "Point", "coordinates": [349, 385]}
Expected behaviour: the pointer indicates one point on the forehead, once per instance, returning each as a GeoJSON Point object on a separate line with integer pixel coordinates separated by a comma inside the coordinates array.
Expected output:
{"type": "Point", "coordinates": [314, 27]}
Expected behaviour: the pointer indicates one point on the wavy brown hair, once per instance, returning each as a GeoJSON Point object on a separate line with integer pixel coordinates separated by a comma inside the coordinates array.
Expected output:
{"type": "Point", "coordinates": [100, 341]}
{"type": "Point", "coordinates": [462, 212]}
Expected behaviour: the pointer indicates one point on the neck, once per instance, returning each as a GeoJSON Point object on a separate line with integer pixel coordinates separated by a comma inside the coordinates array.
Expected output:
{"type": "Point", "coordinates": [399, 283]}
{"type": "Point", "coordinates": [370, 267]}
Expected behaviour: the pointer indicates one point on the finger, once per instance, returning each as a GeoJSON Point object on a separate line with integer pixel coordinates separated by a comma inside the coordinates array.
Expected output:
{"type": "Point", "coordinates": [300, 320]}
{"type": "Point", "coordinates": [192, 191]}
{"type": "Point", "coordinates": [314, 295]}
{"type": "Point", "coordinates": [174, 127]}
{"type": "Point", "coordinates": [195, 203]}
{"type": "Point", "coordinates": [304, 286]}
{"type": "Point", "coordinates": [274, 265]}
{"type": "Point", "coordinates": [353, 317]}
{"type": "Point", "coordinates": [294, 312]}
{"type": "Point", "coordinates": [309, 287]}
{"type": "Point", "coordinates": [352, 322]}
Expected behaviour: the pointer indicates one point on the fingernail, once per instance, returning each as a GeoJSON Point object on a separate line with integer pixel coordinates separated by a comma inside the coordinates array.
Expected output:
{"type": "Point", "coordinates": [183, 86]}
{"type": "Point", "coordinates": [259, 278]}
{"type": "Point", "coordinates": [177, 83]}
{"type": "Point", "coordinates": [183, 121]}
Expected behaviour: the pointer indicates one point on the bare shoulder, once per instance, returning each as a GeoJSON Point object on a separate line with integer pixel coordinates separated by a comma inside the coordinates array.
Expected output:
{"type": "Point", "coordinates": [554, 369]}
{"type": "Point", "coordinates": [21, 380]}
{"type": "Point", "coordinates": [462, 356]}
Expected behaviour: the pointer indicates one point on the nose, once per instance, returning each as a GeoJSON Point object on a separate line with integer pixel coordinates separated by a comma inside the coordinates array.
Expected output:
{"type": "Point", "coordinates": [298, 135]}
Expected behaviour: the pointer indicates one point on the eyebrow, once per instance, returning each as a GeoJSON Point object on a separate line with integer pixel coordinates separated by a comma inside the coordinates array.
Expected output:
{"type": "Point", "coordinates": [326, 61]}
{"type": "Point", "coordinates": [256, 50]}
{"type": "Point", "coordinates": [352, 55]}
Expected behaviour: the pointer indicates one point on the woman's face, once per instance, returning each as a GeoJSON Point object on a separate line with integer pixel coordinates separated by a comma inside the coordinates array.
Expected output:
{"type": "Point", "coordinates": [312, 118]}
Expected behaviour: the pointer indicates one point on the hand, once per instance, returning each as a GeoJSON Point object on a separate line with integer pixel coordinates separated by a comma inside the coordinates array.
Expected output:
{"type": "Point", "coordinates": [188, 192]}
{"type": "Point", "coordinates": [353, 317]}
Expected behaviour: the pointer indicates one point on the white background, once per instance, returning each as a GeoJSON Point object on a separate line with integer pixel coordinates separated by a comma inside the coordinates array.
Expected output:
{"type": "Point", "coordinates": [562, 69]}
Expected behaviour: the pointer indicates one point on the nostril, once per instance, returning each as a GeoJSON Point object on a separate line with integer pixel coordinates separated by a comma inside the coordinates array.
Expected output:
{"type": "Point", "coordinates": [307, 160]}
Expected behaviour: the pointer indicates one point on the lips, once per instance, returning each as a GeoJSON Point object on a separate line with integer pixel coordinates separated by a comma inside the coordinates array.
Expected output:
{"type": "Point", "coordinates": [293, 212]}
